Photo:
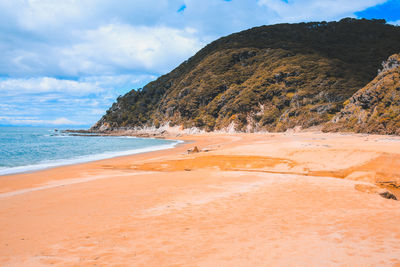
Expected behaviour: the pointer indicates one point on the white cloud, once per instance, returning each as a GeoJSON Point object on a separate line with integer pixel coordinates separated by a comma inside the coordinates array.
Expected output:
{"type": "Point", "coordinates": [111, 49]}
{"type": "Point", "coordinates": [37, 121]}
{"type": "Point", "coordinates": [47, 85]}
{"type": "Point", "coordinates": [49, 99]}
{"type": "Point", "coordinates": [91, 37]}
{"type": "Point", "coordinates": [63, 121]}
{"type": "Point", "coordinates": [395, 22]}
{"type": "Point", "coordinates": [125, 47]}
{"type": "Point", "coordinates": [48, 15]}
{"type": "Point", "coordinates": [80, 87]}
{"type": "Point", "coordinates": [70, 38]}
{"type": "Point", "coordinates": [36, 15]}
{"type": "Point", "coordinates": [312, 10]}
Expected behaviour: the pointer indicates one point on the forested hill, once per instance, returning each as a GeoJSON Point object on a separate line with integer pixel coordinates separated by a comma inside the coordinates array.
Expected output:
{"type": "Point", "coordinates": [265, 78]}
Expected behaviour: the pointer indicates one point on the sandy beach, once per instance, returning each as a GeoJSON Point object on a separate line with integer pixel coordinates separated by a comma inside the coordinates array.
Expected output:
{"type": "Point", "coordinates": [276, 199]}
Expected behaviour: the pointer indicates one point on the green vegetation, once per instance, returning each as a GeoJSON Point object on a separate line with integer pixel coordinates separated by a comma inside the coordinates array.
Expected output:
{"type": "Point", "coordinates": [266, 78]}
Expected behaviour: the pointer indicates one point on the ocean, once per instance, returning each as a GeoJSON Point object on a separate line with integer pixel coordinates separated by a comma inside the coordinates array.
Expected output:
{"type": "Point", "coordinates": [24, 149]}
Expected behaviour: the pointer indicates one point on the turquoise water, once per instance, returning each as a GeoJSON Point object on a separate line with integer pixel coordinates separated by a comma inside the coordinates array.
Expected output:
{"type": "Point", "coordinates": [29, 148]}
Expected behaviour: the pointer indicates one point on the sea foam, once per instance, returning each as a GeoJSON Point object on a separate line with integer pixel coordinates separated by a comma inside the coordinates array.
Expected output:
{"type": "Point", "coordinates": [30, 149]}
{"type": "Point", "coordinates": [83, 159]}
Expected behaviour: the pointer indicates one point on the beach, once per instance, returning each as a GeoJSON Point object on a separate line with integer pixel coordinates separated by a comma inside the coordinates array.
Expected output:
{"type": "Point", "coordinates": [245, 199]}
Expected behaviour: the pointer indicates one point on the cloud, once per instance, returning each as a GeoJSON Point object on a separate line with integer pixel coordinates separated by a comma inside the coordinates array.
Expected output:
{"type": "Point", "coordinates": [48, 99]}
{"type": "Point", "coordinates": [49, 15]}
{"type": "Point", "coordinates": [314, 10]}
{"type": "Point", "coordinates": [107, 50]}
{"type": "Point", "coordinates": [69, 38]}
{"type": "Point", "coordinates": [125, 48]}
{"type": "Point", "coordinates": [63, 121]}
{"type": "Point", "coordinates": [80, 87]}
{"type": "Point", "coordinates": [36, 121]}
{"type": "Point", "coordinates": [47, 85]}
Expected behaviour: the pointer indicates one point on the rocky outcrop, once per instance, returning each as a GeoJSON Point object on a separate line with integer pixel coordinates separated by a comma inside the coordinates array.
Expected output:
{"type": "Point", "coordinates": [374, 108]}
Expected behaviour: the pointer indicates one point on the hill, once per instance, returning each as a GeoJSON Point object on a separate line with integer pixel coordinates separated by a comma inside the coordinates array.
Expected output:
{"type": "Point", "coordinates": [374, 108]}
{"type": "Point", "coordinates": [265, 78]}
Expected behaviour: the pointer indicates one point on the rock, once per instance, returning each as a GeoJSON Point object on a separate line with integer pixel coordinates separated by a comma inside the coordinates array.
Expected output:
{"type": "Point", "coordinates": [372, 189]}
{"type": "Point", "coordinates": [194, 150]}
{"type": "Point", "coordinates": [392, 63]}
{"type": "Point", "coordinates": [388, 195]}
{"type": "Point", "coordinates": [105, 127]}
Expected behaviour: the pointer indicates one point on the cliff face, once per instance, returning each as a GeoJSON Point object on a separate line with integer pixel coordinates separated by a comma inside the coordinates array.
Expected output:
{"type": "Point", "coordinates": [266, 78]}
{"type": "Point", "coordinates": [374, 108]}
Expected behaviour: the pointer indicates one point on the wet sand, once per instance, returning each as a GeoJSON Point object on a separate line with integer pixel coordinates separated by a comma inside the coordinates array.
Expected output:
{"type": "Point", "coordinates": [290, 199]}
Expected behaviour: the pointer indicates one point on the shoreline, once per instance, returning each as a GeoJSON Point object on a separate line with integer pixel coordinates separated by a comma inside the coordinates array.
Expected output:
{"type": "Point", "coordinates": [185, 140]}
{"type": "Point", "coordinates": [183, 144]}
{"type": "Point", "coordinates": [49, 164]}
{"type": "Point", "coordinates": [293, 195]}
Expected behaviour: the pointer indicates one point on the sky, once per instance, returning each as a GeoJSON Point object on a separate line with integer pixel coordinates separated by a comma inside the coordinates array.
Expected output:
{"type": "Point", "coordinates": [63, 63]}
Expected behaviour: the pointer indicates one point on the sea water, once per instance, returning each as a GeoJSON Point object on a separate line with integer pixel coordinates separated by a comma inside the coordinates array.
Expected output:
{"type": "Point", "coordinates": [25, 149]}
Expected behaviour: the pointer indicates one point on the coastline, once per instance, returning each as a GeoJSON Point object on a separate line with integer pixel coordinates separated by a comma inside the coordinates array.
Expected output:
{"type": "Point", "coordinates": [241, 192]}
{"type": "Point", "coordinates": [62, 171]}
{"type": "Point", "coordinates": [49, 164]}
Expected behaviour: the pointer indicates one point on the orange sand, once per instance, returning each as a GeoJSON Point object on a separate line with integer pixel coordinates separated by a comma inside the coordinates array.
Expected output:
{"type": "Point", "coordinates": [294, 199]}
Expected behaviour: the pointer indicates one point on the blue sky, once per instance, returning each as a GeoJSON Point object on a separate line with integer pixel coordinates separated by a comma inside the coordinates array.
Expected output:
{"type": "Point", "coordinates": [64, 62]}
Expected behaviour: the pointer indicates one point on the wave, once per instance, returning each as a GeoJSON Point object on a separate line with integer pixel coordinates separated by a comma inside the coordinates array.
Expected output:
{"type": "Point", "coordinates": [83, 159]}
